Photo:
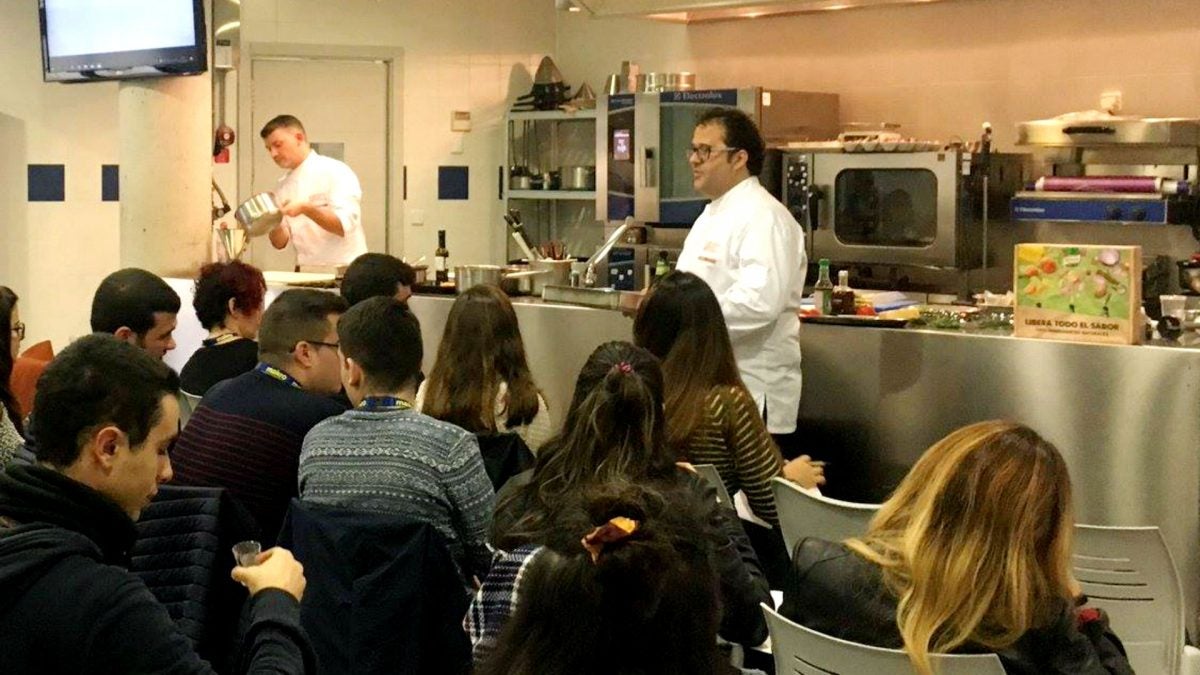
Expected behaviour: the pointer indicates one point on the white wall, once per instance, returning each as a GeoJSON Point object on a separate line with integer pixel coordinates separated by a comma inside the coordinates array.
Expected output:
{"type": "Point", "coordinates": [53, 254]}
{"type": "Point", "coordinates": [940, 69]}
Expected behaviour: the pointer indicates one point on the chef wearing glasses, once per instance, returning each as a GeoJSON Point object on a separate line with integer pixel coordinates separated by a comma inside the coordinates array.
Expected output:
{"type": "Point", "coordinates": [750, 250]}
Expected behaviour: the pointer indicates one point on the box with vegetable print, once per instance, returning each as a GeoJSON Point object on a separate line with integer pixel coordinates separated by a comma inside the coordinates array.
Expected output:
{"type": "Point", "coordinates": [1078, 293]}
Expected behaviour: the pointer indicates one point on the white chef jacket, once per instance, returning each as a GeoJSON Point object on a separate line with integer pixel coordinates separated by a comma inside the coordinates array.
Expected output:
{"type": "Point", "coordinates": [324, 181]}
{"type": "Point", "coordinates": [750, 250]}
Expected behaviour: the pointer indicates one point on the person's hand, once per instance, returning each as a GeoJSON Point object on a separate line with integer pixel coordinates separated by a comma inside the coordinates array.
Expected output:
{"type": "Point", "coordinates": [276, 568]}
{"type": "Point", "coordinates": [291, 209]}
{"type": "Point", "coordinates": [805, 472]}
{"type": "Point", "coordinates": [687, 466]}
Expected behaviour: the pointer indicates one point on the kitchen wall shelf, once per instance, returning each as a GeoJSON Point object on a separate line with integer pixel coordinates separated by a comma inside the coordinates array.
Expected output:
{"type": "Point", "coordinates": [578, 195]}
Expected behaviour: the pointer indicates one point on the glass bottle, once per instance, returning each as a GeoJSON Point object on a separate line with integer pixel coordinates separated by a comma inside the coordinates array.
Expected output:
{"type": "Point", "coordinates": [441, 257]}
{"type": "Point", "coordinates": [843, 295]}
{"type": "Point", "coordinates": [823, 290]}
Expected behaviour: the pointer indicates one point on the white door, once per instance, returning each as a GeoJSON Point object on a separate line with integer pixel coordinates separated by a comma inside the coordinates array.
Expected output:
{"type": "Point", "coordinates": [343, 104]}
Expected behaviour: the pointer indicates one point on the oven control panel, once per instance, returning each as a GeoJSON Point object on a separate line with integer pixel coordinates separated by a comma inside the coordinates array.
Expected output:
{"type": "Point", "coordinates": [796, 170]}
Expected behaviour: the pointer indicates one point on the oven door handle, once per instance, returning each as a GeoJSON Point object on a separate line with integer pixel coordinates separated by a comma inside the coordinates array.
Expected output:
{"type": "Point", "coordinates": [812, 204]}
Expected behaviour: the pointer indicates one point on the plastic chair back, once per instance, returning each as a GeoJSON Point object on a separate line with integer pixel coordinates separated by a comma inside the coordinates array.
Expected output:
{"type": "Point", "coordinates": [804, 514]}
{"type": "Point", "coordinates": [709, 473]}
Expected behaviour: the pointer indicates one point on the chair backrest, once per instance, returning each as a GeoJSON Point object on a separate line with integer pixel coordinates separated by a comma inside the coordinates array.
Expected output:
{"type": "Point", "coordinates": [710, 474]}
{"type": "Point", "coordinates": [1129, 573]}
{"type": "Point", "coordinates": [27, 368]}
{"type": "Point", "coordinates": [383, 593]}
{"type": "Point", "coordinates": [802, 651]}
{"type": "Point", "coordinates": [804, 514]}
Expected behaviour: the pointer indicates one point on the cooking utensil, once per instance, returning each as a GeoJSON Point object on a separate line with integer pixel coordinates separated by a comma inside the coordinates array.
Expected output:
{"type": "Point", "coordinates": [518, 234]}
{"type": "Point", "coordinates": [578, 177]}
{"type": "Point", "coordinates": [612, 84]}
{"type": "Point", "coordinates": [635, 235]}
{"type": "Point", "coordinates": [589, 277]}
{"type": "Point", "coordinates": [233, 241]}
{"type": "Point", "coordinates": [519, 280]}
{"type": "Point", "coordinates": [655, 82]}
{"type": "Point", "coordinates": [553, 250]}
{"type": "Point", "coordinates": [552, 273]}
{"type": "Point", "coordinates": [467, 276]}
{"type": "Point", "coordinates": [259, 214]}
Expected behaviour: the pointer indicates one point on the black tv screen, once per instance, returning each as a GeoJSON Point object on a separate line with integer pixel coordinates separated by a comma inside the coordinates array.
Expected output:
{"type": "Point", "coordinates": [89, 40]}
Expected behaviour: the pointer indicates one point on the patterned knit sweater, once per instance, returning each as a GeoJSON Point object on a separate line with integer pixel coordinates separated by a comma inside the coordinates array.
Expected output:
{"type": "Point", "coordinates": [733, 437]}
{"type": "Point", "coordinates": [401, 461]}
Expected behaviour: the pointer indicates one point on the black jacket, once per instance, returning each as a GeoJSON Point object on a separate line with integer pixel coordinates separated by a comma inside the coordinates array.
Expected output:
{"type": "Point", "coordinates": [69, 605]}
{"type": "Point", "coordinates": [838, 593]}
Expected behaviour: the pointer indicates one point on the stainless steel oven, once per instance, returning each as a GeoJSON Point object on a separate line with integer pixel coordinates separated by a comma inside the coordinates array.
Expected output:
{"type": "Point", "coordinates": [919, 207]}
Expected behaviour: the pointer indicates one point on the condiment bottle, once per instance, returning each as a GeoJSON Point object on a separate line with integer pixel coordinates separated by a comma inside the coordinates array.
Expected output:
{"type": "Point", "coordinates": [823, 290]}
{"type": "Point", "coordinates": [663, 267]}
{"type": "Point", "coordinates": [843, 295]}
{"type": "Point", "coordinates": [440, 259]}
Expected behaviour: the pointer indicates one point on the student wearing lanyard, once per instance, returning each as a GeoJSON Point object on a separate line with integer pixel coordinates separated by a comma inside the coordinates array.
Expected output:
{"type": "Point", "coordinates": [384, 456]}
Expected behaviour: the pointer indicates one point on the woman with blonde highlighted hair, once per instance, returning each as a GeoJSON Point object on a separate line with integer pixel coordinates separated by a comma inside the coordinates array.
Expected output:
{"type": "Point", "coordinates": [972, 553]}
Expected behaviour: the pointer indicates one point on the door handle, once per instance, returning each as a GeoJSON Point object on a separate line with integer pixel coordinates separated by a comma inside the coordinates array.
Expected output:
{"type": "Point", "coordinates": [649, 171]}
{"type": "Point", "coordinates": [812, 203]}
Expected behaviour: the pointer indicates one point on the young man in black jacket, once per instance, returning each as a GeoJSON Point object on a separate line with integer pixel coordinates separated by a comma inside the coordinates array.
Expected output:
{"type": "Point", "coordinates": [107, 415]}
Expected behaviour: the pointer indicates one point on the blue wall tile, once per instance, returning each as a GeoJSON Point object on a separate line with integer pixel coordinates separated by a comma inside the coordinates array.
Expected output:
{"type": "Point", "coordinates": [110, 183]}
{"type": "Point", "coordinates": [452, 182]}
{"type": "Point", "coordinates": [47, 182]}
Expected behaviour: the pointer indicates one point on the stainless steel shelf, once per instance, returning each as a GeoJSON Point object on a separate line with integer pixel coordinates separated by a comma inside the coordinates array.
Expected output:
{"type": "Point", "coordinates": [554, 115]}
{"type": "Point", "coordinates": [573, 195]}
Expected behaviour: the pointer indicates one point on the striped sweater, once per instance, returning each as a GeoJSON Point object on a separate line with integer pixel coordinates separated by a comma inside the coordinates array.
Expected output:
{"type": "Point", "coordinates": [733, 437]}
{"type": "Point", "coordinates": [401, 461]}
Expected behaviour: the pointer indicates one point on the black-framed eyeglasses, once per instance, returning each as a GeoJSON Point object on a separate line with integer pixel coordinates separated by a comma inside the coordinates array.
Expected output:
{"type": "Point", "coordinates": [318, 343]}
{"type": "Point", "coordinates": [704, 152]}
{"type": "Point", "coordinates": [18, 329]}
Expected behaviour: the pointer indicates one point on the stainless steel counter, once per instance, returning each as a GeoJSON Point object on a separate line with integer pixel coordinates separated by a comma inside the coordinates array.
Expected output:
{"type": "Point", "coordinates": [1127, 418]}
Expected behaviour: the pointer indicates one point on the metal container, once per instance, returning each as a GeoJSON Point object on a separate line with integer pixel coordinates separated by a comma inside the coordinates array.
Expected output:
{"type": "Point", "coordinates": [553, 272]}
{"type": "Point", "coordinates": [514, 280]}
{"type": "Point", "coordinates": [1189, 275]}
{"type": "Point", "coordinates": [655, 82]}
{"type": "Point", "coordinates": [259, 214]}
{"type": "Point", "coordinates": [577, 177]}
{"type": "Point", "coordinates": [466, 276]}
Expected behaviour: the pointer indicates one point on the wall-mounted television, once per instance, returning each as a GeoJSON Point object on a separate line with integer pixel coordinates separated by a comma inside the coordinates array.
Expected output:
{"type": "Point", "coordinates": [93, 40]}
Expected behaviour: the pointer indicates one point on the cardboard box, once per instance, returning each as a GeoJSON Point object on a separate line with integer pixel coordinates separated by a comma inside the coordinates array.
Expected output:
{"type": "Point", "coordinates": [1078, 293]}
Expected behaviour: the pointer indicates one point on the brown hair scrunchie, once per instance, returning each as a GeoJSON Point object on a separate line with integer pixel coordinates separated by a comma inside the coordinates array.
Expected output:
{"type": "Point", "coordinates": [616, 529]}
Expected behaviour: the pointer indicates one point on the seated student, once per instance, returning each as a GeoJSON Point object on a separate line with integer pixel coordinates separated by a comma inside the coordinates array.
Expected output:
{"type": "Point", "coordinates": [137, 307]}
{"type": "Point", "coordinates": [383, 455]}
{"type": "Point", "coordinates": [711, 417]}
{"type": "Point", "coordinates": [107, 415]}
{"type": "Point", "coordinates": [481, 381]}
{"type": "Point", "coordinates": [229, 303]}
{"type": "Point", "coordinates": [614, 431]}
{"type": "Point", "coordinates": [972, 553]}
{"type": "Point", "coordinates": [373, 274]}
{"type": "Point", "coordinates": [12, 331]}
{"type": "Point", "coordinates": [246, 433]}
{"type": "Point", "coordinates": [624, 584]}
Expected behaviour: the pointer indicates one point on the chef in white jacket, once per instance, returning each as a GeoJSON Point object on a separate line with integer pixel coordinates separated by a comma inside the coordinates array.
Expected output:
{"type": "Point", "coordinates": [750, 250]}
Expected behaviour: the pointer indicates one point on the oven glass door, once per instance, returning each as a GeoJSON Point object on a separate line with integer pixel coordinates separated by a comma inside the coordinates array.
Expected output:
{"type": "Point", "coordinates": [886, 207]}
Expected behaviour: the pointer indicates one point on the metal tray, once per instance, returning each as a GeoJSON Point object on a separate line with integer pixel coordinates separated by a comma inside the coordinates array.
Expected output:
{"type": "Point", "coordinates": [855, 320]}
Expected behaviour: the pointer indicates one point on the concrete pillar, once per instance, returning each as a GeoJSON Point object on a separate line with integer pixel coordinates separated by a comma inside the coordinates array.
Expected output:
{"type": "Point", "coordinates": [166, 173]}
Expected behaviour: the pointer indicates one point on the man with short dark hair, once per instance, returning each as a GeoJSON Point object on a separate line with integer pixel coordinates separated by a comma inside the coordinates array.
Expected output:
{"type": "Point", "coordinates": [385, 456]}
{"type": "Point", "coordinates": [319, 196]}
{"type": "Point", "coordinates": [137, 307]}
{"type": "Point", "coordinates": [245, 435]}
{"type": "Point", "coordinates": [750, 250]}
{"type": "Point", "coordinates": [107, 416]}
{"type": "Point", "coordinates": [373, 274]}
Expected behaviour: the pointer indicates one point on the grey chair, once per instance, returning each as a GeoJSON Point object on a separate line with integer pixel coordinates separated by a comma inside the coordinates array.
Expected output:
{"type": "Point", "coordinates": [803, 514]}
{"type": "Point", "coordinates": [803, 651]}
{"type": "Point", "coordinates": [1129, 573]}
{"type": "Point", "coordinates": [709, 473]}
{"type": "Point", "coordinates": [187, 405]}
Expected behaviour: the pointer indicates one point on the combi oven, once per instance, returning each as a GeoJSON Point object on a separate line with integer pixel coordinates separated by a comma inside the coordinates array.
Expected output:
{"type": "Point", "coordinates": [911, 204]}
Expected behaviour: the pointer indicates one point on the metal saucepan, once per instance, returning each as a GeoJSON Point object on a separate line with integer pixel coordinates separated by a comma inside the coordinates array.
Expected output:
{"type": "Point", "coordinates": [259, 214]}
{"type": "Point", "coordinates": [552, 273]}
{"type": "Point", "coordinates": [578, 177]}
{"type": "Point", "coordinates": [509, 281]}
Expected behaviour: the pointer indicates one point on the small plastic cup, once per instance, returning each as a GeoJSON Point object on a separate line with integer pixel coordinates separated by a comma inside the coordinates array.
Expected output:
{"type": "Point", "coordinates": [246, 553]}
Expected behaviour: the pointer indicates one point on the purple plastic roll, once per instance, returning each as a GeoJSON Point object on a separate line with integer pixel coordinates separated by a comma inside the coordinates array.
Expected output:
{"type": "Point", "coordinates": [1127, 184]}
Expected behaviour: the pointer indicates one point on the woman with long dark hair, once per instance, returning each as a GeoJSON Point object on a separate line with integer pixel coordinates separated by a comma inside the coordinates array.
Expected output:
{"type": "Point", "coordinates": [972, 552]}
{"type": "Point", "coordinates": [12, 331]}
{"type": "Point", "coordinates": [711, 416]}
{"type": "Point", "coordinates": [481, 380]}
{"type": "Point", "coordinates": [614, 432]}
{"type": "Point", "coordinates": [624, 584]}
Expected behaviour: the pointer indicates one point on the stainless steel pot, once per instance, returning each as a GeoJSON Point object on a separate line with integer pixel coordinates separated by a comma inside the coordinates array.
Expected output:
{"type": "Point", "coordinates": [552, 272]}
{"type": "Point", "coordinates": [513, 281]}
{"type": "Point", "coordinates": [655, 82]}
{"type": "Point", "coordinates": [259, 214]}
{"type": "Point", "coordinates": [578, 177]}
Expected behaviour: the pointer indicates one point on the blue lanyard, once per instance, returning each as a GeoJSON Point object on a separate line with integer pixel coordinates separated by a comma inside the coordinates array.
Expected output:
{"type": "Point", "coordinates": [382, 403]}
{"type": "Point", "coordinates": [273, 372]}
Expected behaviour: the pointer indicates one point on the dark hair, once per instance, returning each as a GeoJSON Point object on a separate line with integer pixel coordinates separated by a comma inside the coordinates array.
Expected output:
{"type": "Point", "coordinates": [481, 348]}
{"type": "Point", "coordinates": [648, 604]}
{"type": "Point", "coordinates": [741, 133]}
{"type": "Point", "coordinates": [383, 337]}
{"type": "Point", "coordinates": [373, 274]}
{"type": "Point", "coordinates": [8, 301]}
{"type": "Point", "coordinates": [297, 315]}
{"type": "Point", "coordinates": [681, 323]}
{"type": "Point", "coordinates": [613, 431]}
{"type": "Point", "coordinates": [219, 282]}
{"type": "Point", "coordinates": [97, 380]}
{"type": "Point", "coordinates": [130, 298]}
{"type": "Point", "coordinates": [280, 122]}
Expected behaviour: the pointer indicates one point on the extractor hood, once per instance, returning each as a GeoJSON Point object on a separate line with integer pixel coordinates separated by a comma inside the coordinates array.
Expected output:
{"type": "Point", "coordinates": [690, 11]}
